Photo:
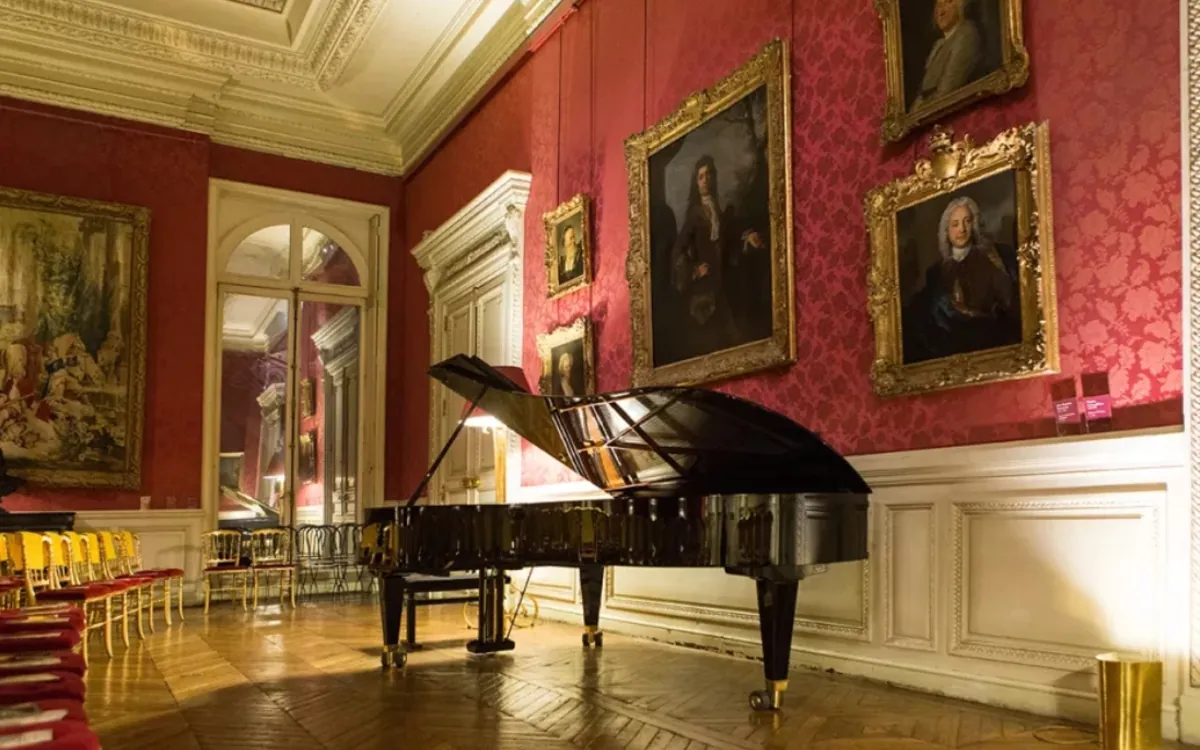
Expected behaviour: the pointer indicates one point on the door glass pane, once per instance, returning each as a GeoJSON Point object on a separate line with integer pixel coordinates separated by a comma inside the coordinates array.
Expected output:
{"type": "Point", "coordinates": [329, 383]}
{"type": "Point", "coordinates": [254, 344]}
{"type": "Point", "coordinates": [325, 261]}
{"type": "Point", "coordinates": [265, 253]}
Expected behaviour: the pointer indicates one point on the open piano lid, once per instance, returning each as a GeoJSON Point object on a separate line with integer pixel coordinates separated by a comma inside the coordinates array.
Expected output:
{"type": "Point", "coordinates": [660, 441]}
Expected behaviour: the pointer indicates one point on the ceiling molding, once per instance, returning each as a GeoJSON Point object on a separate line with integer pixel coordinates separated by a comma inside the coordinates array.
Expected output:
{"type": "Point", "coordinates": [271, 5]}
{"type": "Point", "coordinates": [301, 102]}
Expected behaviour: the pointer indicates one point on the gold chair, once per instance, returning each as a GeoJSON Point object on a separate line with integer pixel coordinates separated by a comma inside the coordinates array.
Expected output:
{"type": "Point", "coordinates": [223, 561]}
{"type": "Point", "coordinates": [129, 552]}
{"type": "Point", "coordinates": [96, 570]}
{"type": "Point", "coordinates": [271, 554]}
{"type": "Point", "coordinates": [96, 600]}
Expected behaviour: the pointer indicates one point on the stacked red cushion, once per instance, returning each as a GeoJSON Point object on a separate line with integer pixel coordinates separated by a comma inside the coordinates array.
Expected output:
{"type": "Point", "coordinates": [41, 712]}
{"type": "Point", "coordinates": [33, 662]}
{"type": "Point", "coordinates": [41, 686]}
{"type": "Point", "coordinates": [16, 621]}
{"type": "Point", "coordinates": [39, 640]}
{"type": "Point", "coordinates": [59, 735]}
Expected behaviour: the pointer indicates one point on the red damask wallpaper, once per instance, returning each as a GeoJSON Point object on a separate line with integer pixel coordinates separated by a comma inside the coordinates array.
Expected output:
{"type": "Point", "coordinates": [1105, 76]}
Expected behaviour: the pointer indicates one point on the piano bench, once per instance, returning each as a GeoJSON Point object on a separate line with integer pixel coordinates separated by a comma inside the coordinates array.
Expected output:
{"type": "Point", "coordinates": [423, 584]}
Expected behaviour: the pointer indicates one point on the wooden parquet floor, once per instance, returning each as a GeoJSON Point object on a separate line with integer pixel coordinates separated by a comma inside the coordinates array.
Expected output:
{"type": "Point", "coordinates": [309, 679]}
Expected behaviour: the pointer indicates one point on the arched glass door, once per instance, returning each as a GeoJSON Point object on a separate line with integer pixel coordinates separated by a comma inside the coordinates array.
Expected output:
{"type": "Point", "coordinates": [290, 298]}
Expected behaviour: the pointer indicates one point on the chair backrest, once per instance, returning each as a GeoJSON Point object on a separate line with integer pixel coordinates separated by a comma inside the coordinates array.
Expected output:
{"type": "Point", "coordinates": [223, 547]}
{"type": "Point", "coordinates": [270, 546]}
{"type": "Point", "coordinates": [63, 555]}
{"type": "Point", "coordinates": [129, 549]}
{"type": "Point", "coordinates": [31, 558]}
{"type": "Point", "coordinates": [112, 562]}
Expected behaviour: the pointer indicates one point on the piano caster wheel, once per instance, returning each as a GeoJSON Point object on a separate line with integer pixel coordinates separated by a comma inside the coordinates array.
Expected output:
{"type": "Point", "coordinates": [770, 699]}
{"type": "Point", "coordinates": [394, 659]}
{"type": "Point", "coordinates": [593, 638]}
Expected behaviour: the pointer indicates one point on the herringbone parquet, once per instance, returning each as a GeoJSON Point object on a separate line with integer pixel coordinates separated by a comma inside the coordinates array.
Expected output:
{"type": "Point", "coordinates": [309, 678]}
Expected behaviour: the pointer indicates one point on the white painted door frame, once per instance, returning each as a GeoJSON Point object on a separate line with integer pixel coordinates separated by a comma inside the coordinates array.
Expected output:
{"type": "Point", "coordinates": [483, 241]}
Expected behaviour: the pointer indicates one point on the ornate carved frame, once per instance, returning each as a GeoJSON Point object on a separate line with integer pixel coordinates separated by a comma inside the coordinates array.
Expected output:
{"type": "Point", "coordinates": [769, 68]}
{"type": "Point", "coordinates": [579, 204]}
{"type": "Point", "coordinates": [1025, 150]}
{"type": "Point", "coordinates": [130, 476]}
{"type": "Point", "coordinates": [581, 328]}
{"type": "Point", "coordinates": [1012, 73]}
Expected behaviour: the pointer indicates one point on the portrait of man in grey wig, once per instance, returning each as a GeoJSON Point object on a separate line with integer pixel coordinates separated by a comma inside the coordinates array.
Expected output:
{"type": "Point", "coordinates": [971, 299]}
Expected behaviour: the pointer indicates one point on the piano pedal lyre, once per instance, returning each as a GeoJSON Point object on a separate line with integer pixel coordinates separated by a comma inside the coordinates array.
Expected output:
{"type": "Point", "coordinates": [770, 698]}
{"type": "Point", "coordinates": [592, 636]}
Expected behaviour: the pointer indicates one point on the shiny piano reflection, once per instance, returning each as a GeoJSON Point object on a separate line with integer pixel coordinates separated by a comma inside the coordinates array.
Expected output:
{"type": "Point", "coordinates": [697, 479]}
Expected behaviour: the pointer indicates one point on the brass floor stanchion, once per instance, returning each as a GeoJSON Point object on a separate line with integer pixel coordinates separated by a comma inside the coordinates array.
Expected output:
{"type": "Point", "coordinates": [1130, 702]}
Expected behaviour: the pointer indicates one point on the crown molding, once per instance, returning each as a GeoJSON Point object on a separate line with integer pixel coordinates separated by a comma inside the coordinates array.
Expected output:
{"type": "Point", "coordinates": [122, 63]}
{"type": "Point", "coordinates": [315, 63]}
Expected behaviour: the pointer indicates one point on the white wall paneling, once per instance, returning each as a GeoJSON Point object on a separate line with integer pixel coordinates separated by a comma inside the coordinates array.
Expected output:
{"type": "Point", "coordinates": [996, 574]}
{"type": "Point", "coordinates": [169, 539]}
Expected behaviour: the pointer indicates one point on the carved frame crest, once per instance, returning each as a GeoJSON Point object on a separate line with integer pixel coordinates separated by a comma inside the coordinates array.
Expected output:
{"type": "Point", "coordinates": [770, 67]}
{"type": "Point", "coordinates": [1024, 150]}
{"type": "Point", "coordinates": [1012, 73]}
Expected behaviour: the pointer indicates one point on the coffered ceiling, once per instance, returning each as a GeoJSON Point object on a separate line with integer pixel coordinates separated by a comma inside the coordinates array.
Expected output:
{"type": "Point", "coordinates": [370, 84]}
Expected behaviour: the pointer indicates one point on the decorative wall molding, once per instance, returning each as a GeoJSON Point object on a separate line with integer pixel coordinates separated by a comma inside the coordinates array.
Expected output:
{"type": "Point", "coordinates": [287, 96]}
{"type": "Point", "coordinates": [169, 538]}
{"type": "Point", "coordinates": [1190, 82]}
{"type": "Point", "coordinates": [944, 604]}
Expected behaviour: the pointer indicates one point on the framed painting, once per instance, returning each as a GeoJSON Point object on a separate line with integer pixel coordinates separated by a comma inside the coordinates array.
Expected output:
{"type": "Point", "coordinates": [72, 339]}
{"type": "Point", "coordinates": [710, 231]}
{"type": "Point", "coordinates": [307, 398]}
{"type": "Point", "coordinates": [942, 55]}
{"type": "Point", "coordinates": [568, 246]}
{"type": "Point", "coordinates": [961, 286]}
{"type": "Point", "coordinates": [568, 360]}
{"type": "Point", "coordinates": [308, 457]}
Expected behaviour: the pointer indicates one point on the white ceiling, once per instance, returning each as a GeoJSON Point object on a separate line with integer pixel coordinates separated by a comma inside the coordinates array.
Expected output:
{"type": "Point", "coordinates": [370, 84]}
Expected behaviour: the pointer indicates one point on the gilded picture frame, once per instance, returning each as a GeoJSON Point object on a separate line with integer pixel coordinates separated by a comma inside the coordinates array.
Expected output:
{"type": "Point", "coordinates": [961, 288]}
{"type": "Point", "coordinates": [73, 339]}
{"type": "Point", "coordinates": [734, 135]}
{"type": "Point", "coordinates": [933, 71]}
{"type": "Point", "coordinates": [568, 359]}
{"type": "Point", "coordinates": [307, 398]}
{"type": "Point", "coordinates": [568, 246]}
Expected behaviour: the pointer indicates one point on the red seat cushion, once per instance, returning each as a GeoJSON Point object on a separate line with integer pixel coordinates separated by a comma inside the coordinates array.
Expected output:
{"type": "Point", "coordinates": [59, 735]}
{"type": "Point", "coordinates": [46, 661]}
{"type": "Point", "coordinates": [30, 609]}
{"type": "Point", "coordinates": [227, 569]}
{"type": "Point", "coordinates": [38, 640]}
{"type": "Point", "coordinates": [23, 688]}
{"type": "Point", "coordinates": [54, 709]}
{"type": "Point", "coordinates": [64, 610]}
{"type": "Point", "coordinates": [42, 621]}
{"type": "Point", "coordinates": [274, 566]}
{"type": "Point", "coordinates": [81, 593]}
{"type": "Point", "coordinates": [162, 572]}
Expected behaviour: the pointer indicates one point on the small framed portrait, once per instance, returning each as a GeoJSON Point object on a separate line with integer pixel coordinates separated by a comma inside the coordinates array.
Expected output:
{"type": "Point", "coordinates": [308, 456]}
{"type": "Point", "coordinates": [567, 356]}
{"type": "Point", "coordinates": [942, 55]}
{"type": "Point", "coordinates": [307, 400]}
{"type": "Point", "coordinates": [568, 246]}
{"type": "Point", "coordinates": [961, 288]}
{"type": "Point", "coordinates": [710, 233]}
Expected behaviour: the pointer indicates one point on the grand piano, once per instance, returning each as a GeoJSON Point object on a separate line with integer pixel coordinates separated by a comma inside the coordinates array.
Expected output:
{"type": "Point", "coordinates": [697, 479]}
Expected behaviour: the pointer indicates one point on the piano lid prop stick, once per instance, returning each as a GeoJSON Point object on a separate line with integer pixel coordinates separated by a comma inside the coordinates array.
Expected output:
{"type": "Point", "coordinates": [517, 609]}
{"type": "Point", "coordinates": [445, 449]}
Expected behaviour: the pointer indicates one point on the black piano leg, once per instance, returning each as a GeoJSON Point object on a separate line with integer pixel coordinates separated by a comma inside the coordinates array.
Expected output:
{"type": "Point", "coordinates": [391, 607]}
{"type": "Point", "coordinates": [591, 584]}
{"type": "Point", "coordinates": [491, 615]}
{"type": "Point", "coordinates": [776, 615]}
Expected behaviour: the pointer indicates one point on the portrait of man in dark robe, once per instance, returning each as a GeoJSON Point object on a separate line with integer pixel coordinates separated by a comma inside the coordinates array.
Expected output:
{"type": "Point", "coordinates": [570, 252]}
{"type": "Point", "coordinates": [968, 299]}
{"type": "Point", "coordinates": [711, 267]}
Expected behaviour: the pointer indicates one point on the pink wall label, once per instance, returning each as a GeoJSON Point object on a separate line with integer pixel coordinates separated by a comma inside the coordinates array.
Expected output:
{"type": "Point", "coordinates": [1066, 411]}
{"type": "Point", "coordinates": [1098, 407]}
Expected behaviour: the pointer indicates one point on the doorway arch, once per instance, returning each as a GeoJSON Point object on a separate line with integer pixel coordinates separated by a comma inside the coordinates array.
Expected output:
{"type": "Point", "coordinates": [295, 328]}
